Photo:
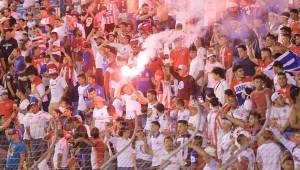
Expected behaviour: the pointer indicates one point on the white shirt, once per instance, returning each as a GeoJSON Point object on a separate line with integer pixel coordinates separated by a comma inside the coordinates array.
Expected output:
{"type": "Point", "coordinates": [61, 147]}
{"type": "Point", "coordinates": [211, 165]}
{"type": "Point", "coordinates": [269, 155]}
{"type": "Point", "coordinates": [174, 161]}
{"type": "Point", "coordinates": [280, 114]}
{"type": "Point", "coordinates": [124, 159]}
{"type": "Point", "coordinates": [157, 145]}
{"type": "Point", "coordinates": [226, 143]}
{"type": "Point", "coordinates": [61, 32]}
{"type": "Point", "coordinates": [98, 59]}
{"type": "Point", "coordinates": [57, 87]}
{"type": "Point", "coordinates": [131, 106]}
{"type": "Point", "coordinates": [184, 115]}
{"type": "Point", "coordinates": [292, 147]}
{"type": "Point", "coordinates": [37, 124]}
{"type": "Point", "coordinates": [43, 165]}
{"type": "Point", "coordinates": [100, 116]}
{"type": "Point", "coordinates": [196, 65]}
{"type": "Point", "coordinates": [219, 89]}
{"type": "Point", "coordinates": [250, 156]}
{"type": "Point", "coordinates": [207, 69]}
{"type": "Point", "coordinates": [81, 102]}
{"type": "Point", "coordinates": [164, 122]}
{"type": "Point", "coordinates": [140, 152]}
{"type": "Point", "coordinates": [290, 80]}
{"type": "Point", "coordinates": [241, 113]}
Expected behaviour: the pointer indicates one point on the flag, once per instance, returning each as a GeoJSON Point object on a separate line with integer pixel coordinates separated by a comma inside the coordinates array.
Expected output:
{"type": "Point", "coordinates": [290, 61]}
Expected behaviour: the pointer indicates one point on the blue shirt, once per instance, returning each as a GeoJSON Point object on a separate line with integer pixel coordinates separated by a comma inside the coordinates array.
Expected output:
{"type": "Point", "coordinates": [19, 64]}
{"type": "Point", "coordinates": [248, 66]}
{"type": "Point", "coordinates": [13, 155]}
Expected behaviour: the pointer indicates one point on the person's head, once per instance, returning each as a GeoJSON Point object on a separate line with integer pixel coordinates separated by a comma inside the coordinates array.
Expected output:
{"type": "Point", "coordinates": [168, 143]}
{"type": "Point", "coordinates": [238, 71]}
{"type": "Point", "coordinates": [284, 18]}
{"type": "Point", "coordinates": [267, 135]}
{"type": "Point", "coordinates": [160, 108]}
{"type": "Point", "coordinates": [80, 132]}
{"type": "Point", "coordinates": [44, 12]}
{"type": "Point", "coordinates": [145, 8]}
{"type": "Point", "coordinates": [140, 134]}
{"type": "Point", "coordinates": [193, 51]}
{"type": "Point", "coordinates": [7, 33]}
{"type": "Point", "coordinates": [31, 74]}
{"type": "Point", "coordinates": [53, 73]}
{"type": "Point", "coordinates": [178, 42]}
{"type": "Point", "coordinates": [99, 102]}
{"type": "Point", "coordinates": [95, 133]}
{"type": "Point", "coordinates": [227, 94]}
{"type": "Point", "coordinates": [270, 40]}
{"type": "Point", "coordinates": [286, 40]}
{"type": "Point", "coordinates": [295, 95]}
{"type": "Point", "coordinates": [14, 134]}
{"type": "Point", "coordinates": [223, 40]}
{"type": "Point", "coordinates": [259, 82]}
{"type": "Point", "coordinates": [127, 89]}
{"type": "Point", "coordinates": [91, 79]}
{"type": "Point", "coordinates": [282, 79]}
{"type": "Point", "coordinates": [180, 104]}
{"type": "Point", "coordinates": [36, 51]}
{"type": "Point", "coordinates": [21, 93]}
{"type": "Point", "coordinates": [277, 67]}
{"type": "Point", "coordinates": [232, 101]}
{"type": "Point", "coordinates": [111, 52]}
{"type": "Point", "coordinates": [254, 119]}
{"type": "Point", "coordinates": [278, 99]}
{"type": "Point", "coordinates": [199, 42]}
{"type": "Point", "coordinates": [218, 73]}
{"type": "Point", "coordinates": [182, 70]}
{"type": "Point", "coordinates": [7, 12]}
{"type": "Point", "coordinates": [297, 39]}
{"type": "Point", "coordinates": [182, 127]}
{"type": "Point", "coordinates": [54, 36]}
{"type": "Point", "coordinates": [294, 14]}
{"type": "Point", "coordinates": [242, 139]}
{"type": "Point", "coordinates": [266, 53]}
{"type": "Point", "coordinates": [68, 112]}
{"type": "Point", "coordinates": [3, 93]}
{"type": "Point", "coordinates": [155, 126]}
{"type": "Point", "coordinates": [151, 95]}
{"type": "Point", "coordinates": [119, 122]}
{"type": "Point", "coordinates": [81, 79]}
{"type": "Point", "coordinates": [287, 163]}
{"type": "Point", "coordinates": [212, 58]}
{"type": "Point", "coordinates": [242, 50]}
{"type": "Point", "coordinates": [214, 102]}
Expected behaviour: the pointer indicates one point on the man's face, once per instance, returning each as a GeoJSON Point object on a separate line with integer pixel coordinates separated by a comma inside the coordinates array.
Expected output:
{"type": "Point", "coordinates": [81, 80]}
{"type": "Point", "coordinates": [293, 15]}
{"type": "Point", "coordinates": [240, 72]}
{"type": "Point", "coordinates": [43, 13]}
{"type": "Point", "coordinates": [7, 34]}
{"type": "Point", "coordinates": [269, 42]}
{"type": "Point", "coordinates": [252, 120]}
{"type": "Point", "coordinates": [242, 52]}
{"type": "Point", "coordinates": [182, 128]}
{"type": "Point", "coordinates": [168, 144]}
{"type": "Point", "coordinates": [91, 80]}
{"type": "Point", "coordinates": [150, 97]}
{"type": "Point", "coordinates": [280, 100]}
{"type": "Point", "coordinates": [297, 40]}
{"type": "Point", "coordinates": [232, 101]}
{"type": "Point", "coordinates": [288, 165]}
{"type": "Point", "coordinates": [265, 54]}
{"type": "Point", "coordinates": [145, 9]}
{"type": "Point", "coordinates": [283, 20]}
{"type": "Point", "coordinates": [258, 83]}
{"type": "Point", "coordinates": [154, 128]}
{"type": "Point", "coordinates": [282, 81]}
{"type": "Point", "coordinates": [6, 13]}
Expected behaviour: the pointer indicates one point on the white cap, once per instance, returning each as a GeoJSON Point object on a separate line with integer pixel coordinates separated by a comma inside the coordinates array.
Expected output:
{"type": "Point", "coordinates": [274, 96]}
{"type": "Point", "coordinates": [211, 54]}
{"type": "Point", "coordinates": [182, 66]}
{"type": "Point", "coordinates": [210, 151]}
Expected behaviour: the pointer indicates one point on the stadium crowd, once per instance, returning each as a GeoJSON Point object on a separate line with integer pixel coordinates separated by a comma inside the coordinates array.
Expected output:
{"type": "Point", "coordinates": [63, 84]}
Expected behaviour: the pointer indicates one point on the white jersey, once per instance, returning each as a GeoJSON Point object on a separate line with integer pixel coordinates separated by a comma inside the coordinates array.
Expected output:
{"type": "Point", "coordinates": [81, 102]}
{"type": "Point", "coordinates": [249, 155]}
{"type": "Point", "coordinates": [269, 155]}
{"type": "Point", "coordinates": [280, 114]}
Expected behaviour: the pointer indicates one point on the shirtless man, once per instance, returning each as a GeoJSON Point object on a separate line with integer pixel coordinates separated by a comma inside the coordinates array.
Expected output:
{"type": "Point", "coordinates": [294, 118]}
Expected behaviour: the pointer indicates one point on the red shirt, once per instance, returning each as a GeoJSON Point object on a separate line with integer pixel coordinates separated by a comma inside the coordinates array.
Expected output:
{"type": "Point", "coordinates": [286, 91]}
{"type": "Point", "coordinates": [259, 101]}
{"type": "Point", "coordinates": [99, 147]}
{"type": "Point", "coordinates": [6, 108]}
{"type": "Point", "coordinates": [262, 64]}
{"type": "Point", "coordinates": [155, 64]}
{"type": "Point", "coordinates": [226, 57]}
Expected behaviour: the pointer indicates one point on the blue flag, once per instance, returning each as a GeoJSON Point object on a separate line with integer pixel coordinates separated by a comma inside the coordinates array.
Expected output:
{"type": "Point", "coordinates": [290, 61]}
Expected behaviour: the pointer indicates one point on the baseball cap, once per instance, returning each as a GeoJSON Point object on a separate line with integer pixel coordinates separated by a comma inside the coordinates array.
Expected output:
{"type": "Point", "coordinates": [53, 70]}
{"type": "Point", "coordinates": [210, 151]}
{"type": "Point", "coordinates": [181, 67]}
{"type": "Point", "coordinates": [285, 14]}
{"type": "Point", "coordinates": [33, 100]}
{"type": "Point", "coordinates": [274, 96]}
{"type": "Point", "coordinates": [211, 54]}
{"type": "Point", "coordinates": [3, 91]}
